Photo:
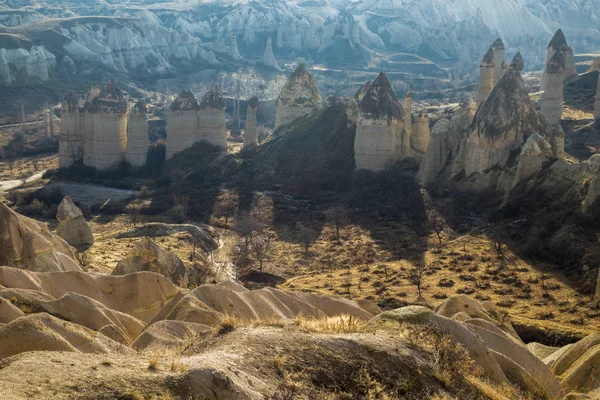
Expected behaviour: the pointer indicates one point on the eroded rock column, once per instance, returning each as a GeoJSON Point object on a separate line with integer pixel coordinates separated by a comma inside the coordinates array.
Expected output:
{"type": "Point", "coordinates": [250, 133]}
{"type": "Point", "coordinates": [137, 136]}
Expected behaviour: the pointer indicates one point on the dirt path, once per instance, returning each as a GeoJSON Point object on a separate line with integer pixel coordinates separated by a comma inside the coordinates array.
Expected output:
{"type": "Point", "coordinates": [11, 184]}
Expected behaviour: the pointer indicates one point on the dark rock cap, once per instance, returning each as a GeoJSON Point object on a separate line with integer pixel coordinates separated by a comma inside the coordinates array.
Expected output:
{"type": "Point", "coordinates": [488, 59]}
{"type": "Point", "coordinates": [518, 62]}
{"type": "Point", "coordinates": [110, 100]}
{"type": "Point", "coordinates": [508, 108]}
{"type": "Point", "coordinates": [409, 94]}
{"type": "Point", "coordinates": [213, 99]}
{"type": "Point", "coordinates": [185, 101]}
{"type": "Point", "coordinates": [497, 45]}
{"type": "Point", "coordinates": [70, 103]}
{"type": "Point", "coordinates": [558, 41]}
{"type": "Point", "coordinates": [380, 101]}
{"type": "Point", "coordinates": [253, 103]}
{"type": "Point", "coordinates": [556, 65]}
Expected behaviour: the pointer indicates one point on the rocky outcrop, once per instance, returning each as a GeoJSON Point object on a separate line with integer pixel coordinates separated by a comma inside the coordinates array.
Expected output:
{"type": "Point", "coordinates": [597, 102]}
{"type": "Point", "coordinates": [137, 136]}
{"type": "Point", "coordinates": [72, 137]}
{"type": "Point", "coordinates": [250, 132]}
{"type": "Point", "coordinates": [501, 124]}
{"type": "Point", "coordinates": [211, 119]}
{"type": "Point", "coordinates": [72, 226]}
{"type": "Point", "coordinates": [360, 93]}
{"type": "Point", "coordinates": [148, 256]}
{"type": "Point", "coordinates": [298, 97]}
{"type": "Point", "coordinates": [534, 153]}
{"type": "Point", "coordinates": [420, 137]}
{"type": "Point", "coordinates": [105, 128]}
{"type": "Point", "coordinates": [552, 105]}
{"type": "Point", "coordinates": [28, 244]}
{"type": "Point", "coordinates": [486, 76]}
{"type": "Point", "coordinates": [181, 123]}
{"type": "Point", "coordinates": [381, 138]}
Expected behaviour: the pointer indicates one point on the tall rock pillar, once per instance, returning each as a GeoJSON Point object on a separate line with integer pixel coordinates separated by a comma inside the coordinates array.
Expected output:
{"type": "Point", "coordinates": [181, 123]}
{"type": "Point", "coordinates": [498, 50]}
{"type": "Point", "coordinates": [408, 100]}
{"type": "Point", "coordinates": [298, 97]}
{"type": "Point", "coordinates": [137, 136]}
{"type": "Point", "coordinates": [251, 133]}
{"type": "Point", "coordinates": [106, 125]}
{"type": "Point", "coordinates": [553, 95]}
{"type": "Point", "coordinates": [558, 43]}
{"type": "Point", "coordinates": [381, 138]}
{"type": "Point", "coordinates": [71, 141]}
{"type": "Point", "coordinates": [211, 119]}
{"type": "Point", "coordinates": [486, 76]}
{"type": "Point", "coordinates": [420, 137]}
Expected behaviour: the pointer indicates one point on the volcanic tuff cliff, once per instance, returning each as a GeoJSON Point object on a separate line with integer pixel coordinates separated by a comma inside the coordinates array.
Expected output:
{"type": "Point", "coordinates": [298, 97]}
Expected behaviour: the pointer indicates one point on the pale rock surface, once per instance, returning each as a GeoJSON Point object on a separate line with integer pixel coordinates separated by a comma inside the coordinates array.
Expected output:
{"type": "Point", "coordinates": [381, 138]}
{"type": "Point", "coordinates": [534, 153]}
{"type": "Point", "coordinates": [141, 295]}
{"type": "Point", "coordinates": [408, 101]}
{"type": "Point", "coordinates": [72, 226]}
{"type": "Point", "coordinates": [92, 314]}
{"type": "Point", "coordinates": [269, 58]}
{"type": "Point", "coordinates": [148, 256]}
{"type": "Point", "coordinates": [8, 311]}
{"type": "Point", "coordinates": [577, 366]}
{"type": "Point", "coordinates": [298, 97]}
{"type": "Point", "coordinates": [43, 332]}
{"type": "Point", "coordinates": [540, 350]}
{"type": "Point", "coordinates": [552, 105]}
{"type": "Point", "coordinates": [498, 50]}
{"type": "Point", "coordinates": [28, 244]}
{"type": "Point", "coordinates": [168, 334]}
{"type": "Point", "coordinates": [137, 135]}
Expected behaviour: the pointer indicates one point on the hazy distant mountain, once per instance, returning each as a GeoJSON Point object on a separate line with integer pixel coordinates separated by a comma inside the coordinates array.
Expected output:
{"type": "Point", "coordinates": [153, 38]}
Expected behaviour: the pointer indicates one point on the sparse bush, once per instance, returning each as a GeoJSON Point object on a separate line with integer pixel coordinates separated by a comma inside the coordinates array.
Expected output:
{"type": "Point", "coordinates": [227, 324]}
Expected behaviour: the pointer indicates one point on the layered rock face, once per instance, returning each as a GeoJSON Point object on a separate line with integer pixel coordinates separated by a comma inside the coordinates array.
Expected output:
{"type": "Point", "coordinates": [298, 97]}
{"type": "Point", "coordinates": [501, 123]}
{"type": "Point", "coordinates": [137, 136]}
{"type": "Point", "coordinates": [518, 62]}
{"type": "Point", "coordinates": [420, 137]}
{"type": "Point", "coordinates": [105, 128]}
{"type": "Point", "coordinates": [552, 105]}
{"type": "Point", "coordinates": [181, 123]}
{"type": "Point", "coordinates": [72, 226]}
{"type": "Point", "coordinates": [534, 153]}
{"type": "Point", "coordinates": [250, 132]}
{"type": "Point", "coordinates": [72, 138]}
{"type": "Point", "coordinates": [211, 119]}
{"type": "Point", "coordinates": [486, 76]}
{"type": "Point", "coordinates": [381, 138]}
{"type": "Point", "coordinates": [27, 244]}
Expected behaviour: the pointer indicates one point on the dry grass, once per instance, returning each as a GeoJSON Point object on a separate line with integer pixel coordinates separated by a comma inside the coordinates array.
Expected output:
{"type": "Point", "coordinates": [338, 324]}
{"type": "Point", "coordinates": [153, 364]}
{"type": "Point", "coordinates": [227, 324]}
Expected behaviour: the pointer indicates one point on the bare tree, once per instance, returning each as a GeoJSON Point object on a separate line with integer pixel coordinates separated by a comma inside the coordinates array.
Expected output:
{"type": "Point", "coordinates": [308, 235]}
{"type": "Point", "coordinates": [339, 217]}
{"type": "Point", "coordinates": [261, 249]}
{"type": "Point", "coordinates": [436, 224]}
{"type": "Point", "coordinates": [246, 226]}
{"type": "Point", "coordinates": [416, 276]}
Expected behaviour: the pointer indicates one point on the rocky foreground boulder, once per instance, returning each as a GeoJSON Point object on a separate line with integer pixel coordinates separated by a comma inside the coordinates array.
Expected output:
{"type": "Point", "coordinates": [148, 256]}
{"type": "Point", "coordinates": [72, 226]}
{"type": "Point", "coordinates": [28, 244]}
